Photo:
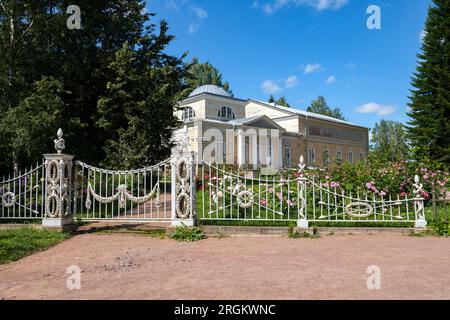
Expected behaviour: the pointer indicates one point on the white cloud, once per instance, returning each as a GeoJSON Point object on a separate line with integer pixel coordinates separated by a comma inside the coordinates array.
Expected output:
{"type": "Point", "coordinates": [270, 87]}
{"type": "Point", "coordinates": [187, 7]}
{"type": "Point", "coordinates": [255, 4]}
{"type": "Point", "coordinates": [199, 12]}
{"type": "Point", "coordinates": [310, 68]}
{"type": "Point", "coordinates": [350, 66]}
{"type": "Point", "coordinates": [379, 109]}
{"type": "Point", "coordinates": [291, 82]}
{"type": "Point", "coordinates": [320, 5]}
{"type": "Point", "coordinates": [331, 79]}
{"type": "Point", "coordinates": [175, 4]}
{"type": "Point", "coordinates": [193, 27]}
{"type": "Point", "coordinates": [328, 4]}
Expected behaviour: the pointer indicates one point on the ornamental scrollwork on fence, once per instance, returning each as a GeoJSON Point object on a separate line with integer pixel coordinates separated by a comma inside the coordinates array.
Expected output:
{"type": "Point", "coordinates": [418, 202]}
{"type": "Point", "coordinates": [122, 195]}
{"type": "Point", "coordinates": [183, 188]}
{"type": "Point", "coordinates": [9, 199]}
{"type": "Point", "coordinates": [56, 200]}
{"type": "Point", "coordinates": [359, 210]}
{"type": "Point", "coordinates": [245, 199]}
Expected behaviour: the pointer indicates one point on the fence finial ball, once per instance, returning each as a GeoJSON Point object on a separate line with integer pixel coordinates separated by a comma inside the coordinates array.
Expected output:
{"type": "Point", "coordinates": [416, 179]}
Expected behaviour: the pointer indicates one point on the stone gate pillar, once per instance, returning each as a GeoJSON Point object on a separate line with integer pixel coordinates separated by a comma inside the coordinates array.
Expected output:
{"type": "Point", "coordinates": [183, 188]}
{"type": "Point", "coordinates": [58, 187]}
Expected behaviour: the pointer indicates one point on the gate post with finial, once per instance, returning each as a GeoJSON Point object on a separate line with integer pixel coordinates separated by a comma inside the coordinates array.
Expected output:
{"type": "Point", "coordinates": [302, 221]}
{"type": "Point", "coordinates": [58, 187]}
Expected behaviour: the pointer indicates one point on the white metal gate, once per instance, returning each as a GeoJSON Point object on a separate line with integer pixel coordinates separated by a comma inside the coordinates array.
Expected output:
{"type": "Point", "coordinates": [22, 196]}
{"type": "Point", "coordinates": [141, 194]}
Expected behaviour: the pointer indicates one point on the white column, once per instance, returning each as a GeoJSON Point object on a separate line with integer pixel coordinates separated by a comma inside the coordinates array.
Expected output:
{"type": "Point", "coordinates": [280, 152]}
{"type": "Point", "coordinates": [269, 159]}
{"type": "Point", "coordinates": [255, 150]}
{"type": "Point", "coordinates": [263, 147]}
{"type": "Point", "coordinates": [275, 149]}
{"type": "Point", "coordinates": [241, 147]}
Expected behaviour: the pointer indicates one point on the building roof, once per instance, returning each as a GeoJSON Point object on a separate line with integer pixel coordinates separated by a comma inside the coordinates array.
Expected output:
{"type": "Point", "coordinates": [307, 113]}
{"type": "Point", "coordinates": [254, 120]}
{"type": "Point", "coordinates": [210, 89]}
{"type": "Point", "coordinates": [245, 120]}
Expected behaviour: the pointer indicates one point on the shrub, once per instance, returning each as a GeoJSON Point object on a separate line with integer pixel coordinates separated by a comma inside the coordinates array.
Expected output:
{"type": "Point", "coordinates": [297, 235]}
{"type": "Point", "coordinates": [187, 234]}
{"type": "Point", "coordinates": [384, 178]}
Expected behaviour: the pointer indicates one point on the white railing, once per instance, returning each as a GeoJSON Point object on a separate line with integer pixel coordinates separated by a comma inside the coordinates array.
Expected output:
{"type": "Point", "coordinates": [141, 194]}
{"type": "Point", "coordinates": [235, 194]}
{"type": "Point", "coordinates": [22, 196]}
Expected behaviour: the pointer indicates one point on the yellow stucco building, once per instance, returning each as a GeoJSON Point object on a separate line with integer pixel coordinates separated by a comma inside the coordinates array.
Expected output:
{"type": "Point", "coordinates": [257, 134]}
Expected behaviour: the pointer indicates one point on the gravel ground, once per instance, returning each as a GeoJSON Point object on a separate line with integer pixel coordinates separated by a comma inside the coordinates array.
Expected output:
{"type": "Point", "coordinates": [127, 266]}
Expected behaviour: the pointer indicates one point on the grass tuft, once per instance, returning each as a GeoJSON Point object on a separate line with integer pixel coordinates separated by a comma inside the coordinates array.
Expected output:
{"type": "Point", "coordinates": [186, 234]}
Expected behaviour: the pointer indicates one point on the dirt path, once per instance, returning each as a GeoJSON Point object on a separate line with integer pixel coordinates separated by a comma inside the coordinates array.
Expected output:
{"type": "Point", "coordinates": [123, 266]}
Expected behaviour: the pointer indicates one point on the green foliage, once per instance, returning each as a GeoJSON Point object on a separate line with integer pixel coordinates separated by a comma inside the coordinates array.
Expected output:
{"type": "Point", "coordinates": [26, 127]}
{"type": "Point", "coordinates": [379, 177]}
{"type": "Point", "coordinates": [282, 101]}
{"type": "Point", "coordinates": [142, 95]}
{"type": "Point", "coordinates": [205, 74]}
{"type": "Point", "coordinates": [84, 63]}
{"type": "Point", "coordinates": [304, 234]}
{"type": "Point", "coordinates": [187, 234]}
{"type": "Point", "coordinates": [429, 128]}
{"type": "Point", "coordinates": [320, 106]}
{"type": "Point", "coordinates": [389, 141]}
{"type": "Point", "coordinates": [18, 243]}
{"type": "Point", "coordinates": [440, 227]}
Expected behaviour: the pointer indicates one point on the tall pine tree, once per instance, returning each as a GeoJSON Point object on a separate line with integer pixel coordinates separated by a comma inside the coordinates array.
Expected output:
{"type": "Point", "coordinates": [429, 127]}
{"type": "Point", "coordinates": [137, 111]}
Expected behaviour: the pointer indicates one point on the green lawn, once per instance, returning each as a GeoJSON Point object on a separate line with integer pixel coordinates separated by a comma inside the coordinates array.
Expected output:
{"type": "Point", "coordinates": [18, 243]}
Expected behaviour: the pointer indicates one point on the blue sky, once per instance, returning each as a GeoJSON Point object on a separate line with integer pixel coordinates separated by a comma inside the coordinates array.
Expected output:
{"type": "Point", "coordinates": [305, 48]}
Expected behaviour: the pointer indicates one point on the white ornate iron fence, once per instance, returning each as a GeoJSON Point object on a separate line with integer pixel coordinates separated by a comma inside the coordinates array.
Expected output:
{"type": "Point", "coordinates": [225, 193]}
{"type": "Point", "coordinates": [142, 194]}
{"type": "Point", "coordinates": [233, 194]}
{"type": "Point", "coordinates": [23, 195]}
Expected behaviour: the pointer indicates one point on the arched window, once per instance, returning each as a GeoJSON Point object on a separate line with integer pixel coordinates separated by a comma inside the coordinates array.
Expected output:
{"type": "Point", "coordinates": [188, 114]}
{"type": "Point", "coordinates": [226, 113]}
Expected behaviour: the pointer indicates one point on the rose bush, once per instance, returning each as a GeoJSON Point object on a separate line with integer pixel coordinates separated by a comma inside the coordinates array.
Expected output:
{"type": "Point", "coordinates": [385, 178]}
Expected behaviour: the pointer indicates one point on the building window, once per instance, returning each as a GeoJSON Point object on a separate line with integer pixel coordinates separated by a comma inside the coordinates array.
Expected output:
{"type": "Point", "coordinates": [287, 156]}
{"type": "Point", "coordinates": [350, 157]}
{"type": "Point", "coordinates": [339, 156]}
{"type": "Point", "coordinates": [361, 156]}
{"type": "Point", "coordinates": [188, 114]}
{"type": "Point", "coordinates": [226, 113]}
{"type": "Point", "coordinates": [311, 157]}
